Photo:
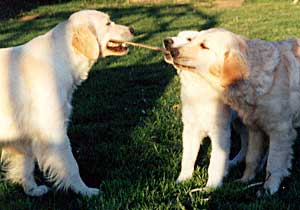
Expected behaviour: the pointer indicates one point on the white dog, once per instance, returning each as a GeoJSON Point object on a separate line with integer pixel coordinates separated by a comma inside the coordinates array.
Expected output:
{"type": "Point", "coordinates": [260, 80]}
{"type": "Point", "coordinates": [204, 114]}
{"type": "Point", "coordinates": [36, 85]}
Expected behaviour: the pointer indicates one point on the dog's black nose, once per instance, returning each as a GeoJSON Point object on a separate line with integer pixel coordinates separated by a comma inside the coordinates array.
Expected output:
{"type": "Point", "coordinates": [174, 52]}
{"type": "Point", "coordinates": [131, 30]}
{"type": "Point", "coordinates": [168, 43]}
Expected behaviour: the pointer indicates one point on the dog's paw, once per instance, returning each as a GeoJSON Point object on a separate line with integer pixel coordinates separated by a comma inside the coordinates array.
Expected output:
{"type": "Point", "coordinates": [242, 180]}
{"type": "Point", "coordinates": [263, 193]}
{"type": "Point", "coordinates": [211, 183]}
{"type": "Point", "coordinates": [246, 178]}
{"type": "Point", "coordinates": [36, 191]}
{"type": "Point", "coordinates": [183, 178]}
{"type": "Point", "coordinates": [272, 185]}
{"type": "Point", "coordinates": [89, 192]}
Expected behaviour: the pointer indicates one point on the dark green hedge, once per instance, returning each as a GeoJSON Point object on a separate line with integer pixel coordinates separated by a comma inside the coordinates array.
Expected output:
{"type": "Point", "coordinates": [13, 8]}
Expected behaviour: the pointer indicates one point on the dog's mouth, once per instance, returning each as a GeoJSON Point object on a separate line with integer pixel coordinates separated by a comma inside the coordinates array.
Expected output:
{"type": "Point", "coordinates": [168, 58]}
{"type": "Point", "coordinates": [183, 67]}
{"type": "Point", "coordinates": [117, 47]}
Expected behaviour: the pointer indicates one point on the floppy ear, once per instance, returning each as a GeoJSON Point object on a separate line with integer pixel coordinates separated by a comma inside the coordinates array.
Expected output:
{"type": "Point", "coordinates": [296, 48]}
{"type": "Point", "coordinates": [85, 42]}
{"type": "Point", "coordinates": [235, 68]}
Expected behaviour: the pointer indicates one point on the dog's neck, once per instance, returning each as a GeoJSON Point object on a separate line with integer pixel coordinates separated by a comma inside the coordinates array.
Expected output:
{"type": "Point", "coordinates": [78, 64]}
{"type": "Point", "coordinates": [240, 96]}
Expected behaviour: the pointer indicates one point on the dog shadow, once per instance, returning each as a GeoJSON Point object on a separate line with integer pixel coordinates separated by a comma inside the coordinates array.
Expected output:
{"type": "Point", "coordinates": [107, 109]}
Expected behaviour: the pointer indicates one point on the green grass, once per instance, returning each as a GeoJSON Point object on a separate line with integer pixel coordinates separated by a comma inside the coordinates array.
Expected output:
{"type": "Point", "coordinates": [125, 132]}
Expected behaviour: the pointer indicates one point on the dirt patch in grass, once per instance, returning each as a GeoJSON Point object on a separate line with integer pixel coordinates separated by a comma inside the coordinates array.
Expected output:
{"type": "Point", "coordinates": [156, 1]}
{"type": "Point", "coordinates": [29, 17]}
{"type": "Point", "coordinates": [216, 3]}
{"type": "Point", "coordinates": [228, 3]}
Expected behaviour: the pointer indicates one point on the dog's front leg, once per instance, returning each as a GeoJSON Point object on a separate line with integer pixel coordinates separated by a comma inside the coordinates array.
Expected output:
{"type": "Point", "coordinates": [219, 158]}
{"type": "Point", "coordinates": [56, 159]}
{"type": "Point", "coordinates": [192, 138]}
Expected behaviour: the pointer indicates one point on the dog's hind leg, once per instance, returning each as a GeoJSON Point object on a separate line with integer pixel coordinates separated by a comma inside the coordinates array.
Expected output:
{"type": "Point", "coordinates": [57, 161]}
{"type": "Point", "coordinates": [280, 157]}
{"type": "Point", "coordinates": [254, 154]}
{"type": "Point", "coordinates": [19, 169]}
{"type": "Point", "coordinates": [243, 133]}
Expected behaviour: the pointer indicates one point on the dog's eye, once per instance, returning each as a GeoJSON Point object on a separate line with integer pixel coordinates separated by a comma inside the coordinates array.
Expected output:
{"type": "Point", "coordinates": [203, 46]}
{"type": "Point", "coordinates": [108, 23]}
{"type": "Point", "coordinates": [189, 39]}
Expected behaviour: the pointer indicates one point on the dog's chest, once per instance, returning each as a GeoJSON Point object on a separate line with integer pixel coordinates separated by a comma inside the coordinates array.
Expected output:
{"type": "Point", "coordinates": [195, 88]}
{"type": "Point", "coordinates": [201, 104]}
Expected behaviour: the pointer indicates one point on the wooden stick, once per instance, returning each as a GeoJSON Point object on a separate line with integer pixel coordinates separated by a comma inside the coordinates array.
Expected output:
{"type": "Point", "coordinates": [253, 185]}
{"type": "Point", "coordinates": [142, 45]}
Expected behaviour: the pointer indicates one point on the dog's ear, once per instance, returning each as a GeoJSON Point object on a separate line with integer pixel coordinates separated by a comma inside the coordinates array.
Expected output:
{"type": "Point", "coordinates": [235, 68]}
{"type": "Point", "coordinates": [85, 42]}
{"type": "Point", "coordinates": [296, 48]}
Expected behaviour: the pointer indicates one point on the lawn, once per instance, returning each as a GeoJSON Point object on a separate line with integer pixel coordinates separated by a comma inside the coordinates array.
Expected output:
{"type": "Point", "coordinates": [126, 125]}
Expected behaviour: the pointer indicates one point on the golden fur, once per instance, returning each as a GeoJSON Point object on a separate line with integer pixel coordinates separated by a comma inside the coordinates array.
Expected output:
{"type": "Point", "coordinates": [260, 80]}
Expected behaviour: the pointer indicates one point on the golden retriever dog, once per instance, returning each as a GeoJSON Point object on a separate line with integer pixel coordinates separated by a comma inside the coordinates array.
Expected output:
{"type": "Point", "coordinates": [204, 115]}
{"type": "Point", "coordinates": [260, 80]}
{"type": "Point", "coordinates": [36, 85]}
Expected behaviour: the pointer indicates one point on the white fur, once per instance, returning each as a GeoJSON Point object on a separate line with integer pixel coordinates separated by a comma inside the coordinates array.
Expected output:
{"type": "Point", "coordinates": [36, 85]}
{"type": "Point", "coordinates": [204, 115]}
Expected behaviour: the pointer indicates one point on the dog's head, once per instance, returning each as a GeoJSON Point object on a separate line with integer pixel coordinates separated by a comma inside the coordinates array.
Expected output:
{"type": "Point", "coordinates": [181, 39]}
{"type": "Point", "coordinates": [91, 32]}
{"type": "Point", "coordinates": [215, 51]}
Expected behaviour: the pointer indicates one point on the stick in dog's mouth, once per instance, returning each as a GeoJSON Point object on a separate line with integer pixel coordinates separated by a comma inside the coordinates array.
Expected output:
{"type": "Point", "coordinates": [141, 45]}
{"type": "Point", "coordinates": [183, 67]}
{"type": "Point", "coordinates": [166, 52]}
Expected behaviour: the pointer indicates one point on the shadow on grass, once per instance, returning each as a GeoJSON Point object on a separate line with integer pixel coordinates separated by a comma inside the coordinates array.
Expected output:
{"type": "Point", "coordinates": [128, 93]}
{"type": "Point", "coordinates": [234, 195]}
{"type": "Point", "coordinates": [13, 8]}
{"type": "Point", "coordinates": [165, 18]}
{"type": "Point", "coordinates": [107, 109]}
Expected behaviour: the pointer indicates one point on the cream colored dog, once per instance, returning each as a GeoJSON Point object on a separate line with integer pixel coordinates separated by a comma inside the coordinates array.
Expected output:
{"type": "Point", "coordinates": [204, 115]}
{"type": "Point", "coordinates": [36, 85]}
{"type": "Point", "coordinates": [261, 81]}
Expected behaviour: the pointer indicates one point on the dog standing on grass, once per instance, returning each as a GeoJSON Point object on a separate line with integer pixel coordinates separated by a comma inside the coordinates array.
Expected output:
{"type": "Point", "coordinates": [36, 85]}
{"type": "Point", "coordinates": [260, 80]}
{"type": "Point", "coordinates": [204, 115]}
